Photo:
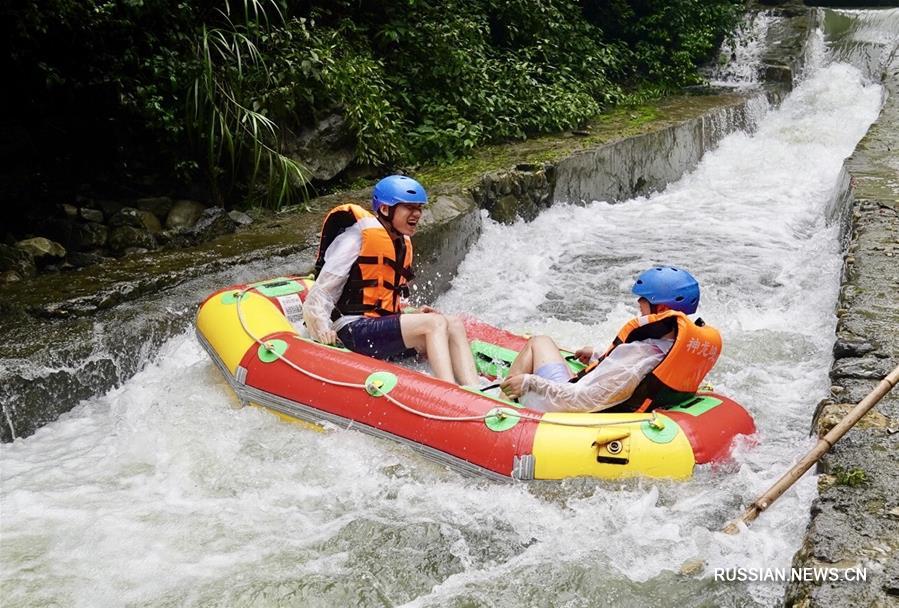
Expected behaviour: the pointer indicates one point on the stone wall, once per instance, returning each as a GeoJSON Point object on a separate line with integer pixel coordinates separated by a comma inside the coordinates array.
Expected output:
{"type": "Point", "coordinates": [855, 519]}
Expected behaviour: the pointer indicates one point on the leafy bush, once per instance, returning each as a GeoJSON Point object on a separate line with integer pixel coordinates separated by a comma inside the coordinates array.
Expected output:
{"type": "Point", "coordinates": [667, 38]}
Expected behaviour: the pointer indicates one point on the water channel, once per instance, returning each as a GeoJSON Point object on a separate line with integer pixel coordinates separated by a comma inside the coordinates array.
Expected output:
{"type": "Point", "coordinates": [157, 493]}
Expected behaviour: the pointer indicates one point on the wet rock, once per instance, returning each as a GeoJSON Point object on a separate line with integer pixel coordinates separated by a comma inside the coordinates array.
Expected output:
{"type": "Point", "coordinates": [70, 211]}
{"type": "Point", "coordinates": [123, 238]}
{"type": "Point", "coordinates": [325, 150]}
{"type": "Point", "coordinates": [91, 236]}
{"type": "Point", "coordinates": [214, 222]}
{"type": "Point", "coordinates": [240, 218]}
{"type": "Point", "coordinates": [58, 267]}
{"type": "Point", "coordinates": [506, 209]}
{"type": "Point", "coordinates": [91, 215]}
{"type": "Point", "coordinates": [80, 259]}
{"type": "Point", "coordinates": [831, 415]}
{"type": "Point", "coordinates": [150, 222]}
{"type": "Point", "coordinates": [693, 567]}
{"type": "Point", "coordinates": [184, 214]}
{"type": "Point", "coordinates": [519, 193]}
{"type": "Point", "coordinates": [128, 216]}
{"type": "Point", "coordinates": [109, 208]}
{"type": "Point", "coordinates": [41, 248]}
{"type": "Point", "coordinates": [14, 259]}
{"type": "Point", "coordinates": [853, 347]}
{"type": "Point", "coordinates": [872, 368]}
{"type": "Point", "coordinates": [782, 74]}
{"type": "Point", "coordinates": [159, 206]}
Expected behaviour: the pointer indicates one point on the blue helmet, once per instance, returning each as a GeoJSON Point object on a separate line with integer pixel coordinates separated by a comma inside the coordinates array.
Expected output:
{"type": "Point", "coordinates": [674, 287]}
{"type": "Point", "coordinates": [397, 189]}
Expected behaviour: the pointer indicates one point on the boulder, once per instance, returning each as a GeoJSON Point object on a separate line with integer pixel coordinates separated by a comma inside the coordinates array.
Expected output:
{"type": "Point", "coordinates": [137, 218]}
{"type": "Point", "coordinates": [325, 149]}
{"type": "Point", "coordinates": [150, 222]}
{"type": "Point", "coordinates": [9, 276]}
{"type": "Point", "coordinates": [91, 236]}
{"type": "Point", "coordinates": [159, 206]}
{"type": "Point", "coordinates": [127, 216]}
{"type": "Point", "coordinates": [184, 214]}
{"type": "Point", "coordinates": [214, 222]}
{"type": "Point", "coordinates": [42, 249]}
{"type": "Point", "coordinates": [109, 208]}
{"type": "Point", "coordinates": [19, 261]}
{"type": "Point", "coordinates": [91, 215]}
{"type": "Point", "coordinates": [240, 218]}
{"type": "Point", "coordinates": [70, 211]}
{"type": "Point", "coordinates": [124, 238]}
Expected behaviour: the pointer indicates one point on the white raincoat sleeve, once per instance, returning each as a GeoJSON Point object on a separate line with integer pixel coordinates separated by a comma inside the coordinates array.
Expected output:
{"type": "Point", "coordinates": [608, 384]}
{"type": "Point", "coordinates": [324, 294]}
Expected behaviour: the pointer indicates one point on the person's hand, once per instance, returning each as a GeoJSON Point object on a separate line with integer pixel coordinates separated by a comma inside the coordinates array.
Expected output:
{"type": "Point", "coordinates": [320, 332]}
{"type": "Point", "coordinates": [583, 354]}
{"type": "Point", "coordinates": [426, 308]}
{"type": "Point", "coordinates": [512, 386]}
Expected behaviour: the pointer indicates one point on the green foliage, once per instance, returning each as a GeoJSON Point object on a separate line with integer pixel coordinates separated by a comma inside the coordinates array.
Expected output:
{"type": "Point", "coordinates": [853, 477]}
{"type": "Point", "coordinates": [667, 38]}
{"type": "Point", "coordinates": [226, 117]}
{"type": "Point", "coordinates": [127, 96]}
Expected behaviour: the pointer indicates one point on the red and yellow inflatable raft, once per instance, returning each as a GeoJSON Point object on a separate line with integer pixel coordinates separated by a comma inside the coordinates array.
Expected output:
{"type": "Point", "coordinates": [249, 331]}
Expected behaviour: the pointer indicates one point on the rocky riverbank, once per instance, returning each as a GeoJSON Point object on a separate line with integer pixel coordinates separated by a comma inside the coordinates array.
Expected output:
{"type": "Point", "coordinates": [855, 520]}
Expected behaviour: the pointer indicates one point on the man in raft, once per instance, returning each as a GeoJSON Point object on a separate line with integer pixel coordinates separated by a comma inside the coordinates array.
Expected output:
{"type": "Point", "coordinates": [660, 352]}
{"type": "Point", "coordinates": [362, 274]}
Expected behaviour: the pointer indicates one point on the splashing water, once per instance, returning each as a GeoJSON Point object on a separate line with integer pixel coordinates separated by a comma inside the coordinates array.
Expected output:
{"type": "Point", "coordinates": [158, 494]}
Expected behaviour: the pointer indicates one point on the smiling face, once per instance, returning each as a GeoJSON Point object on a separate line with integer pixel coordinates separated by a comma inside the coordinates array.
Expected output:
{"type": "Point", "coordinates": [405, 218]}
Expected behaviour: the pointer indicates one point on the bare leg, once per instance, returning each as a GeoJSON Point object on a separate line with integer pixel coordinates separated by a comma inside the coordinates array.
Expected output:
{"type": "Point", "coordinates": [539, 351]}
{"type": "Point", "coordinates": [427, 333]}
{"type": "Point", "coordinates": [460, 353]}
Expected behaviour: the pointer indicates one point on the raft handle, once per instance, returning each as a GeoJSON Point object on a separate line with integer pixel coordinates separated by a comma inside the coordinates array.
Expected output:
{"type": "Point", "coordinates": [610, 460]}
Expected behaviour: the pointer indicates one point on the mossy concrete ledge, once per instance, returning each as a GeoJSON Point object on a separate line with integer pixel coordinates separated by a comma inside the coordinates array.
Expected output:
{"type": "Point", "coordinates": [855, 519]}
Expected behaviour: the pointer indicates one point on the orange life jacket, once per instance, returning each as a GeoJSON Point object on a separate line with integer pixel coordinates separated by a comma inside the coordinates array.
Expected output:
{"type": "Point", "coordinates": [694, 352]}
{"type": "Point", "coordinates": [376, 280]}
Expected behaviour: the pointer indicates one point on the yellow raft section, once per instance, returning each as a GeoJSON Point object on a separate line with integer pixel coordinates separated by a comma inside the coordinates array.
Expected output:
{"type": "Point", "coordinates": [653, 446]}
{"type": "Point", "coordinates": [217, 320]}
{"type": "Point", "coordinates": [650, 446]}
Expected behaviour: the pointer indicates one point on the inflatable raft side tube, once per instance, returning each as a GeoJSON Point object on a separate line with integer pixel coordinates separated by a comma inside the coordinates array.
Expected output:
{"type": "Point", "coordinates": [293, 411]}
{"type": "Point", "coordinates": [490, 446]}
{"type": "Point", "coordinates": [711, 422]}
{"type": "Point", "coordinates": [217, 321]}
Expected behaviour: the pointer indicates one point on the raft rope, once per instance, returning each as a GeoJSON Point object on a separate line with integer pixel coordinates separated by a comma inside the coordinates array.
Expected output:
{"type": "Point", "coordinates": [497, 412]}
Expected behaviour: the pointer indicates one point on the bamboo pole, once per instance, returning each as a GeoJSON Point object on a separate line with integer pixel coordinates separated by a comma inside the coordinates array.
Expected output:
{"type": "Point", "coordinates": [824, 444]}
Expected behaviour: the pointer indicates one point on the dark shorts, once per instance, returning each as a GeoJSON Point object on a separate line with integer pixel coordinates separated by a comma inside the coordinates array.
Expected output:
{"type": "Point", "coordinates": [378, 337]}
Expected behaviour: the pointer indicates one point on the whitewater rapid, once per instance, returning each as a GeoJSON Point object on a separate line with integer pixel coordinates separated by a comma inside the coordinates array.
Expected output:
{"type": "Point", "coordinates": [160, 493]}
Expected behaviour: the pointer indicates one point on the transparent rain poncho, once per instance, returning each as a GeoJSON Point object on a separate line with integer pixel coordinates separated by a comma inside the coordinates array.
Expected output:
{"type": "Point", "coordinates": [609, 383]}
